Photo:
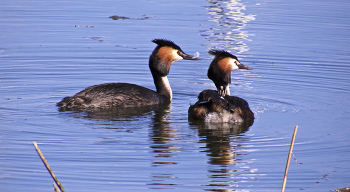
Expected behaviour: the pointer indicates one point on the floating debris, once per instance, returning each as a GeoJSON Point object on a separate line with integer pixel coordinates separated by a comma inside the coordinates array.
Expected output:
{"type": "Point", "coordinates": [100, 39]}
{"type": "Point", "coordinates": [116, 17]}
{"type": "Point", "coordinates": [126, 46]}
{"type": "Point", "coordinates": [85, 26]}
{"type": "Point", "coordinates": [196, 55]}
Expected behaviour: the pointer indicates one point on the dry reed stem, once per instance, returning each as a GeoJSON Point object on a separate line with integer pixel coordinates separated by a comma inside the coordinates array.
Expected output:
{"type": "Point", "coordinates": [48, 167]}
{"type": "Point", "coordinates": [288, 159]}
{"type": "Point", "coordinates": [55, 187]}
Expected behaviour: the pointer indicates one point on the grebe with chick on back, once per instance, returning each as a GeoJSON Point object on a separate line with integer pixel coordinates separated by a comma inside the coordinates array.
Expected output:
{"type": "Point", "coordinates": [218, 105]}
{"type": "Point", "coordinates": [130, 95]}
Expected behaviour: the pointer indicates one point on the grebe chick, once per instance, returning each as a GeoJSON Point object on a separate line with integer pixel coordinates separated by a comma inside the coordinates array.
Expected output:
{"type": "Point", "coordinates": [218, 105]}
{"type": "Point", "coordinates": [130, 95]}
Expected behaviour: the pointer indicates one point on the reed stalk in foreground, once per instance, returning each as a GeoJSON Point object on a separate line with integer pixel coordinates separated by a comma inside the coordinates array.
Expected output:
{"type": "Point", "coordinates": [288, 159]}
{"type": "Point", "coordinates": [55, 187]}
{"type": "Point", "coordinates": [48, 167]}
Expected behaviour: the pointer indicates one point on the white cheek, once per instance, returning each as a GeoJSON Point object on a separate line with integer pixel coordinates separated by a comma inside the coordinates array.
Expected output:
{"type": "Point", "coordinates": [176, 57]}
{"type": "Point", "coordinates": [233, 64]}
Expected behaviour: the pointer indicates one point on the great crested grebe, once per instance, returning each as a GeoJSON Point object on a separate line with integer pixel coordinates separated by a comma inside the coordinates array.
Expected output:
{"type": "Point", "coordinates": [218, 105]}
{"type": "Point", "coordinates": [130, 95]}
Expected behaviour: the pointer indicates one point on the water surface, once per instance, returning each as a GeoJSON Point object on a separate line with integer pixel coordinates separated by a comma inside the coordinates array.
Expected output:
{"type": "Point", "coordinates": [52, 49]}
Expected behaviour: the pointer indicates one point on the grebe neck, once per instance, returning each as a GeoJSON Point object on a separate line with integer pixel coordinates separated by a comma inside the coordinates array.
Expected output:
{"type": "Point", "coordinates": [163, 87]}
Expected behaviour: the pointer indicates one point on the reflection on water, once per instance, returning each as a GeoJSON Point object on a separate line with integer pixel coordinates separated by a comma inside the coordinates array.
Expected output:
{"type": "Point", "coordinates": [164, 147]}
{"type": "Point", "coordinates": [161, 133]}
{"type": "Point", "coordinates": [223, 141]}
{"type": "Point", "coordinates": [218, 144]}
{"type": "Point", "coordinates": [113, 114]}
{"type": "Point", "coordinates": [162, 136]}
{"type": "Point", "coordinates": [227, 33]}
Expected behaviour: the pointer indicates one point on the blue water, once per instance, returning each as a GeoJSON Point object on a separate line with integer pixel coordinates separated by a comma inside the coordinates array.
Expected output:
{"type": "Point", "coordinates": [52, 49]}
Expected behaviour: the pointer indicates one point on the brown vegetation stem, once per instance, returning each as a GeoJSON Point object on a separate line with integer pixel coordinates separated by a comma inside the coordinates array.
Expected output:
{"type": "Point", "coordinates": [48, 167]}
{"type": "Point", "coordinates": [55, 187]}
{"type": "Point", "coordinates": [288, 159]}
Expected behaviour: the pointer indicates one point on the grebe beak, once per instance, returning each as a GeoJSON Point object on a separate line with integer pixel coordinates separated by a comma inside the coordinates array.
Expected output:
{"type": "Point", "coordinates": [241, 66]}
{"type": "Point", "coordinates": [187, 57]}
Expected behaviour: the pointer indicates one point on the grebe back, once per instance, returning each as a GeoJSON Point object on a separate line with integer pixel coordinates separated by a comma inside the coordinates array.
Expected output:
{"type": "Point", "coordinates": [130, 95]}
{"type": "Point", "coordinates": [218, 105]}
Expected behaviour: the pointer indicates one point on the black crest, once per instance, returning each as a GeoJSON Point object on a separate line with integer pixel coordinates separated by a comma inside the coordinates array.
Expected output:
{"type": "Point", "coordinates": [221, 53]}
{"type": "Point", "coordinates": [165, 42]}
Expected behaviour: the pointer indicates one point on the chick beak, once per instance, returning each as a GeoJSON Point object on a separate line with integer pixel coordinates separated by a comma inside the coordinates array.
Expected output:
{"type": "Point", "coordinates": [187, 57]}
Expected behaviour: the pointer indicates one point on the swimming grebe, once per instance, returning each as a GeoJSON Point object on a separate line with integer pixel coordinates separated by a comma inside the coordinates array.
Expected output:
{"type": "Point", "coordinates": [131, 95]}
{"type": "Point", "coordinates": [219, 106]}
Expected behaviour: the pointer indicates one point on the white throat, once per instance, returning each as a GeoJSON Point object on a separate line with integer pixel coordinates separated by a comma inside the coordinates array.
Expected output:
{"type": "Point", "coordinates": [227, 90]}
{"type": "Point", "coordinates": [167, 87]}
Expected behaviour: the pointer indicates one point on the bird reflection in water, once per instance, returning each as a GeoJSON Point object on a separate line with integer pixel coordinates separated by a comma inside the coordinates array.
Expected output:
{"type": "Point", "coordinates": [162, 136]}
{"type": "Point", "coordinates": [112, 114]}
{"type": "Point", "coordinates": [164, 147]}
{"type": "Point", "coordinates": [223, 141]}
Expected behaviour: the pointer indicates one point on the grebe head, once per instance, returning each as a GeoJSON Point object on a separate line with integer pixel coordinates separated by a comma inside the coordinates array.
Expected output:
{"type": "Point", "coordinates": [225, 61]}
{"type": "Point", "coordinates": [166, 53]}
{"type": "Point", "coordinates": [169, 51]}
{"type": "Point", "coordinates": [220, 69]}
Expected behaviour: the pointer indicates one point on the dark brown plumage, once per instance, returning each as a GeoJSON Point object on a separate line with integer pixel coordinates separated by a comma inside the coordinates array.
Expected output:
{"type": "Point", "coordinates": [218, 105]}
{"type": "Point", "coordinates": [130, 95]}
